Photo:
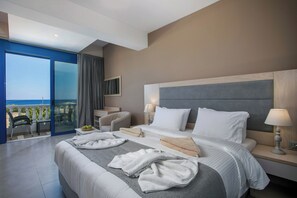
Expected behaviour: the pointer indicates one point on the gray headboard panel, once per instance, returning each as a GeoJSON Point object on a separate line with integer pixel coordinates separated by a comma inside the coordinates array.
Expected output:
{"type": "Point", "coordinates": [255, 97]}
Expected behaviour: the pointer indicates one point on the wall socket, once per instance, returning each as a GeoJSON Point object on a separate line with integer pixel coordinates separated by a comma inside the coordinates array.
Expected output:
{"type": "Point", "coordinates": [293, 145]}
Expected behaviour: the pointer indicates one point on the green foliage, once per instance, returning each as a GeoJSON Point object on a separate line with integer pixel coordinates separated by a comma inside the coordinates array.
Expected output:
{"type": "Point", "coordinates": [30, 109]}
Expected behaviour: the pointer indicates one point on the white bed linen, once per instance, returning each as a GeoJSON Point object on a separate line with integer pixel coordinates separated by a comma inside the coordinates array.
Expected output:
{"type": "Point", "coordinates": [248, 143]}
{"type": "Point", "coordinates": [85, 177]}
{"type": "Point", "coordinates": [215, 154]}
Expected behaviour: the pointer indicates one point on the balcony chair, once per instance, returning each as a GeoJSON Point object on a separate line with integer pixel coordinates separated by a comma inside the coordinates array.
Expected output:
{"type": "Point", "coordinates": [21, 120]}
{"type": "Point", "coordinates": [114, 121]}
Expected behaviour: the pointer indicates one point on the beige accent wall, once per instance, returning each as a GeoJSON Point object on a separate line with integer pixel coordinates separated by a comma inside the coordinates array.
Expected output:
{"type": "Point", "coordinates": [230, 37]}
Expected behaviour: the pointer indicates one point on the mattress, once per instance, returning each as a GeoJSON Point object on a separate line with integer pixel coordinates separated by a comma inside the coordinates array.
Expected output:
{"type": "Point", "coordinates": [235, 165]}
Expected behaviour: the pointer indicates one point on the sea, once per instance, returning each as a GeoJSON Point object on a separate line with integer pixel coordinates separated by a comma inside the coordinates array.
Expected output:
{"type": "Point", "coordinates": [36, 102]}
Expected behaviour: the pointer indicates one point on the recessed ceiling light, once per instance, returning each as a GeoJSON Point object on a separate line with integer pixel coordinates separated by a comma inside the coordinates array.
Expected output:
{"type": "Point", "coordinates": [56, 35]}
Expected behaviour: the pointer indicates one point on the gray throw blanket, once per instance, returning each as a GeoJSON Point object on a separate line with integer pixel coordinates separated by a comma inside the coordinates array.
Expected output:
{"type": "Point", "coordinates": [207, 183]}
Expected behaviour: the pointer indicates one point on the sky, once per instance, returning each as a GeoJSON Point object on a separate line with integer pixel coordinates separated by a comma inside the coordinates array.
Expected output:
{"type": "Point", "coordinates": [28, 78]}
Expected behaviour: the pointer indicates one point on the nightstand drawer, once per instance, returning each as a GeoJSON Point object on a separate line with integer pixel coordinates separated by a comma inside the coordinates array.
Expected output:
{"type": "Point", "coordinates": [279, 169]}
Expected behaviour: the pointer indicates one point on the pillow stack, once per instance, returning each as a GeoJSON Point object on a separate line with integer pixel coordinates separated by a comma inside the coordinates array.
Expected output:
{"type": "Point", "coordinates": [224, 125]}
{"type": "Point", "coordinates": [172, 119]}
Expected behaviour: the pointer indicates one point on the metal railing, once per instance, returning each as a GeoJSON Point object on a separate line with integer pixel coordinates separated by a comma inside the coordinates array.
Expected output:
{"type": "Point", "coordinates": [65, 113]}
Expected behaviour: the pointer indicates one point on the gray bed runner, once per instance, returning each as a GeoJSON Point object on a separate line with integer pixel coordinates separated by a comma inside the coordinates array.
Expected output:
{"type": "Point", "coordinates": [207, 183]}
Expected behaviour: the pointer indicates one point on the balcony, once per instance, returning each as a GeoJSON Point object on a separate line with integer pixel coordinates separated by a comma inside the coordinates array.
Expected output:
{"type": "Point", "coordinates": [65, 119]}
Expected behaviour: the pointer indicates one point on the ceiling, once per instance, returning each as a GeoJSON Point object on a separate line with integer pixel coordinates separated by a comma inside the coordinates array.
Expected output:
{"type": "Point", "coordinates": [28, 31]}
{"type": "Point", "coordinates": [72, 25]}
{"type": "Point", "coordinates": [145, 15]}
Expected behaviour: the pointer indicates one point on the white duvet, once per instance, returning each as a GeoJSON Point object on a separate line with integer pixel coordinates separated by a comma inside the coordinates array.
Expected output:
{"type": "Point", "coordinates": [235, 164]}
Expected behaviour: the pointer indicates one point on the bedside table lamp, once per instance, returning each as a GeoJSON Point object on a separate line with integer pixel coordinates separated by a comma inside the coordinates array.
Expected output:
{"type": "Point", "coordinates": [278, 117]}
{"type": "Point", "coordinates": [149, 108]}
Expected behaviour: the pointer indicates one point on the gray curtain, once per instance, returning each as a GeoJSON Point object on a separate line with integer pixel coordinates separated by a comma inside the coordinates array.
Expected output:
{"type": "Point", "coordinates": [90, 87]}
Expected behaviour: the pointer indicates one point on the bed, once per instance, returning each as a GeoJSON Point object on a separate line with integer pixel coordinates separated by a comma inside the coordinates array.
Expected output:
{"type": "Point", "coordinates": [226, 169]}
{"type": "Point", "coordinates": [86, 176]}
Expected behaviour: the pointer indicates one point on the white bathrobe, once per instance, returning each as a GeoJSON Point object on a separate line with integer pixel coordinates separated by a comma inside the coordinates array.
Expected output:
{"type": "Point", "coordinates": [97, 140]}
{"type": "Point", "coordinates": [156, 170]}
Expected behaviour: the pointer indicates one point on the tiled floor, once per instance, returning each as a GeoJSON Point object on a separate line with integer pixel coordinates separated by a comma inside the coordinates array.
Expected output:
{"type": "Point", "coordinates": [23, 136]}
{"type": "Point", "coordinates": [277, 188]}
{"type": "Point", "coordinates": [27, 169]}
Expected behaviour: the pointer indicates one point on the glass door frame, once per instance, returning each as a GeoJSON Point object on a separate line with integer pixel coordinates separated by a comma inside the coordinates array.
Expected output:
{"type": "Point", "coordinates": [23, 49]}
{"type": "Point", "coordinates": [53, 98]}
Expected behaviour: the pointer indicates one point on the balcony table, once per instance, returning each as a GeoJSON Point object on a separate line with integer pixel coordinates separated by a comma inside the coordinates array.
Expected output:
{"type": "Point", "coordinates": [38, 122]}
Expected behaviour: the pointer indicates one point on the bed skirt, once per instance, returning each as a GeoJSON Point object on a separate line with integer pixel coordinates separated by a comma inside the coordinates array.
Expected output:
{"type": "Point", "coordinates": [68, 192]}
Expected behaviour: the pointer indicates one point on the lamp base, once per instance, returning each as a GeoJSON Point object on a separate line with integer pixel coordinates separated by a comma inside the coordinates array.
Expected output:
{"type": "Point", "coordinates": [278, 151]}
{"type": "Point", "coordinates": [278, 139]}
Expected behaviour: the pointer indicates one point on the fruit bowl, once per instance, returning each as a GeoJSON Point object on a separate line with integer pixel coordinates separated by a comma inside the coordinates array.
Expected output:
{"type": "Point", "coordinates": [87, 128]}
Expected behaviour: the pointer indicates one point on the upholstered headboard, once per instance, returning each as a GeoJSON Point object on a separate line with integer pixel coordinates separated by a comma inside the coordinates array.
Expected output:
{"type": "Point", "coordinates": [255, 93]}
{"type": "Point", "coordinates": [254, 97]}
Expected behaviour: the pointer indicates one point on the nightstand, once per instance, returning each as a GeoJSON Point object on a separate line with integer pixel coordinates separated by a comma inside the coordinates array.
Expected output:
{"type": "Point", "coordinates": [284, 166]}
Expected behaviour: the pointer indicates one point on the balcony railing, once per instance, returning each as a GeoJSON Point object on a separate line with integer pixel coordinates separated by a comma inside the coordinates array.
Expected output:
{"type": "Point", "coordinates": [34, 112]}
{"type": "Point", "coordinates": [65, 114]}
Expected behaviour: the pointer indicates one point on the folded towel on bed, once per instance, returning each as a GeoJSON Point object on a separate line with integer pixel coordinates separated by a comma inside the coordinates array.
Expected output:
{"type": "Point", "coordinates": [185, 145]}
{"type": "Point", "coordinates": [137, 132]}
{"type": "Point", "coordinates": [156, 170]}
{"type": "Point", "coordinates": [97, 140]}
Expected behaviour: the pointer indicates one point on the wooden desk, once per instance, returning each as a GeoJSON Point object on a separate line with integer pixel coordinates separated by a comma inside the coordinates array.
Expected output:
{"type": "Point", "coordinates": [284, 166]}
{"type": "Point", "coordinates": [103, 112]}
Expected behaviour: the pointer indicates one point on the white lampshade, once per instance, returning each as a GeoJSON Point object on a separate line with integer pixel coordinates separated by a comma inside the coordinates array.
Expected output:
{"type": "Point", "coordinates": [278, 117]}
{"type": "Point", "coordinates": [149, 108]}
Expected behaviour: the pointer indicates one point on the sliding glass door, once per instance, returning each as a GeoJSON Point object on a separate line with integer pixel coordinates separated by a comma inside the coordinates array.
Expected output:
{"type": "Point", "coordinates": [64, 102]}
{"type": "Point", "coordinates": [63, 89]}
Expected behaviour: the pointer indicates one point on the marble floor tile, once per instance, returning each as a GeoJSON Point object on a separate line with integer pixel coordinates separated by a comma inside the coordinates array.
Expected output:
{"type": "Point", "coordinates": [53, 190]}
{"type": "Point", "coordinates": [27, 168]}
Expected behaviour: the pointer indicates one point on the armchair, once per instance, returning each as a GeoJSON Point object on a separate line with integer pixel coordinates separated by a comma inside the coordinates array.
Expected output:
{"type": "Point", "coordinates": [114, 121]}
{"type": "Point", "coordinates": [21, 120]}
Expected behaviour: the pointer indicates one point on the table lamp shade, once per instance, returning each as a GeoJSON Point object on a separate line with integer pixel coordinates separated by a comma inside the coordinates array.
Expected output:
{"type": "Point", "coordinates": [278, 117]}
{"type": "Point", "coordinates": [149, 108]}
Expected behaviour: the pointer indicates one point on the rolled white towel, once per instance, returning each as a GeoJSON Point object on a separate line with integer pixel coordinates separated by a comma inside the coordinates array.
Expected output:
{"type": "Point", "coordinates": [166, 174]}
{"type": "Point", "coordinates": [137, 165]}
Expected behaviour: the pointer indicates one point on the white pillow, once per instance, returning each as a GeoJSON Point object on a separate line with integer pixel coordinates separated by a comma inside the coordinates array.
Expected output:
{"type": "Point", "coordinates": [186, 113]}
{"type": "Point", "coordinates": [225, 125]}
{"type": "Point", "coordinates": [185, 118]}
{"type": "Point", "coordinates": [168, 118]}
